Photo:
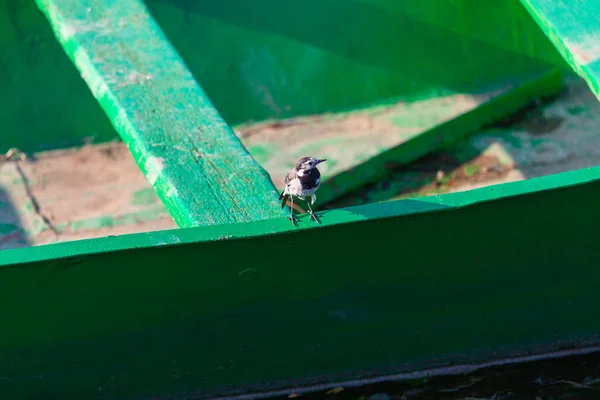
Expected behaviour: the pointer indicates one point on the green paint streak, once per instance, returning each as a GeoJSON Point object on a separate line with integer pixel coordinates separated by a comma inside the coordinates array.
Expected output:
{"type": "Point", "coordinates": [27, 207]}
{"type": "Point", "coordinates": [144, 197]}
{"type": "Point", "coordinates": [32, 62]}
{"type": "Point", "coordinates": [154, 320]}
{"type": "Point", "coordinates": [471, 169]}
{"type": "Point", "coordinates": [110, 221]}
{"type": "Point", "coordinates": [199, 168]}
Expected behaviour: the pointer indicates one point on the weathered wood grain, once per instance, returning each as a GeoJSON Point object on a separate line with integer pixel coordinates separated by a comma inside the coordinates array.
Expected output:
{"type": "Point", "coordinates": [199, 168]}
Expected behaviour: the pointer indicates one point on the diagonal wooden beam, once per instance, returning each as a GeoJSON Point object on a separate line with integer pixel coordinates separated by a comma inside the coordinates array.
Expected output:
{"type": "Point", "coordinates": [199, 168]}
{"type": "Point", "coordinates": [574, 28]}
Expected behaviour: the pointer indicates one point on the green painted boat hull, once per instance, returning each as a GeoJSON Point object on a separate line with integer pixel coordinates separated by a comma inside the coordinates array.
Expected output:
{"type": "Point", "coordinates": [400, 287]}
{"type": "Point", "coordinates": [281, 60]}
{"type": "Point", "coordinates": [286, 59]}
{"type": "Point", "coordinates": [219, 310]}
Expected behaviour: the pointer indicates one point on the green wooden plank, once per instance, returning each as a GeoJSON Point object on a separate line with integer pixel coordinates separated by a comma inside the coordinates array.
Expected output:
{"type": "Point", "coordinates": [268, 59]}
{"type": "Point", "coordinates": [199, 168]}
{"type": "Point", "coordinates": [117, 318]}
{"type": "Point", "coordinates": [574, 28]}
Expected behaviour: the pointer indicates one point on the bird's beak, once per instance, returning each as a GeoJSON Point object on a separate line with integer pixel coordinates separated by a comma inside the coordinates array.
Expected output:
{"type": "Point", "coordinates": [320, 161]}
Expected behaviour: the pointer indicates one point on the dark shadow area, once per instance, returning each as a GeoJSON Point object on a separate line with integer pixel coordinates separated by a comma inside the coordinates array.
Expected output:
{"type": "Point", "coordinates": [12, 232]}
{"type": "Point", "coordinates": [44, 102]}
{"type": "Point", "coordinates": [271, 59]}
{"type": "Point", "coordinates": [574, 377]}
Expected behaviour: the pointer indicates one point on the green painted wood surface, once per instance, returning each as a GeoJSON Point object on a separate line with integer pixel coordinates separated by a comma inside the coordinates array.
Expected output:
{"type": "Point", "coordinates": [44, 103]}
{"type": "Point", "coordinates": [462, 277]}
{"type": "Point", "coordinates": [262, 62]}
{"type": "Point", "coordinates": [270, 59]}
{"type": "Point", "coordinates": [574, 28]}
{"type": "Point", "coordinates": [199, 168]}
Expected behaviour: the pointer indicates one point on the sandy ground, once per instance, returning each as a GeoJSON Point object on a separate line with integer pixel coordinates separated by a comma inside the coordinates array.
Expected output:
{"type": "Point", "coordinates": [96, 191]}
{"type": "Point", "coordinates": [557, 136]}
{"type": "Point", "coordinates": [67, 195]}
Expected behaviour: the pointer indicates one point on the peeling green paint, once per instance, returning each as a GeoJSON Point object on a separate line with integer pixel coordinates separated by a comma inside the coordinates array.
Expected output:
{"type": "Point", "coordinates": [110, 220]}
{"type": "Point", "coordinates": [144, 197]}
{"type": "Point", "coordinates": [471, 170]}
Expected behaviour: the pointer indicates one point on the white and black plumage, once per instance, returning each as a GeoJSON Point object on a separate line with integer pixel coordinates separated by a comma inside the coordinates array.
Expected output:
{"type": "Point", "coordinates": [302, 181]}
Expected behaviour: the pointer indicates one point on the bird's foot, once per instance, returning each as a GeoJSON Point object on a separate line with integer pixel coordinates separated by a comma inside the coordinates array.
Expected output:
{"type": "Point", "coordinates": [314, 216]}
{"type": "Point", "coordinates": [293, 218]}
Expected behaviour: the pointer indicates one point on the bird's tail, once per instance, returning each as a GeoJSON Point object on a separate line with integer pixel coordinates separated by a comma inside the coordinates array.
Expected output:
{"type": "Point", "coordinates": [285, 199]}
{"type": "Point", "coordinates": [281, 194]}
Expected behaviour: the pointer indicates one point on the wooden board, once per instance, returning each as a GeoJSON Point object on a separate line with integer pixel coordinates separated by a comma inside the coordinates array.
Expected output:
{"type": "Point", "coordinates": [267, 59]}
{"type": "Point", "coordinates": [141, 316]}
{"type": "Point", "coordinates": [93, 191]}
{"type": "Point", "coordinates": [199, 168]}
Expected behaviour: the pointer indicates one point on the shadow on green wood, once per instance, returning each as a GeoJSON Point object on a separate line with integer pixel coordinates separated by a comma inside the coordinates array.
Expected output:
{"type": "Point", "coordinates": [44, 103]}
{"type": "Point", "coordinates": [283, 59]}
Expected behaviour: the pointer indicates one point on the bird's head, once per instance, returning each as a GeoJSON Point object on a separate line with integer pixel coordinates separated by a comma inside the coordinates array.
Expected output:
{"type": "Point", "coordinates": [308, 163]}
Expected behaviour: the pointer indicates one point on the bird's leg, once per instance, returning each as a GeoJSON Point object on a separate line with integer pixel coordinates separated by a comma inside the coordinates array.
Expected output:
{"type": "Point", "coordinates": [292, 216]}
{"type": "Point", "coordinates": [312, 214]}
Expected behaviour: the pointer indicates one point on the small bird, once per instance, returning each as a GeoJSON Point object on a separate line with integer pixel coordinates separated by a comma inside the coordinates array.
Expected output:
{"type": "Point", "coordinates": [302, 181]}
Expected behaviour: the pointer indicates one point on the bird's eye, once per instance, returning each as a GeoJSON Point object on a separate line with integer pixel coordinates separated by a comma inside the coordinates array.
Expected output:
{"type": "Point", "coordinates": [310, 163]}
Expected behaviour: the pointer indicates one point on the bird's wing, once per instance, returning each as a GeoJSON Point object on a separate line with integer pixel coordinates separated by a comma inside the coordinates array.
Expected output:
{"type": "Point", "coordinates": [285, 199]}
{"type": "Point", "coordinates": [288, 177]}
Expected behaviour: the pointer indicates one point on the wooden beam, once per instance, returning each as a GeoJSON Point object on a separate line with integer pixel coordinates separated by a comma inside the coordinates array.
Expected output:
{"type": "Point", "coordinates": [574, 28]}
{"type": "Point", "coordinates": [199, 168]}
{"type": "Point", "coordinates": [139, 316]}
